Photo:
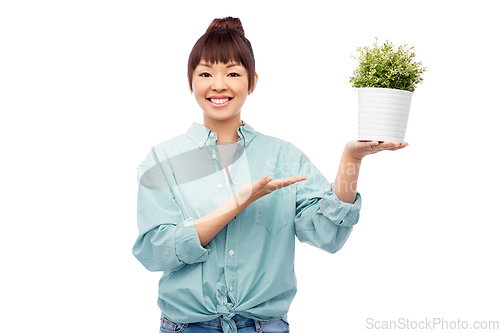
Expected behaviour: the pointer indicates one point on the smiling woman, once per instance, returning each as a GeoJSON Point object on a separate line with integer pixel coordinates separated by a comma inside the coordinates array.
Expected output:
{"type": "Point", "coordinates": [223, 230]}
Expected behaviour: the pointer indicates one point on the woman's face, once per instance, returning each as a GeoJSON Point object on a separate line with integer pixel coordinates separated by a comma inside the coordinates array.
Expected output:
{"type": "Point", "coordinates": [220, 89]}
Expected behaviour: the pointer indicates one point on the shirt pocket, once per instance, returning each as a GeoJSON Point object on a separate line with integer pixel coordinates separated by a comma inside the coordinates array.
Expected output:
{"type": "Point", "coordinates": [273, 209]}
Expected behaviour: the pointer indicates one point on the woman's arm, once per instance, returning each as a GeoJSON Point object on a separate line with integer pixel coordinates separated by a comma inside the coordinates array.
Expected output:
{"type": "Point", "coordinates": [211, 224]}
{"type": "Point", "coordinates": [167, 240]}
{"type": "Point", "coordinates": [346, 182]}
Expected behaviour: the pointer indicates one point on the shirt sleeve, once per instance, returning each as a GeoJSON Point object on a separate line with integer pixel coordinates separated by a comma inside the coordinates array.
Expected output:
{"type": "Point", "coordinates": [166, 241]}
{"type": "Point", "coordinates": [321, 219]}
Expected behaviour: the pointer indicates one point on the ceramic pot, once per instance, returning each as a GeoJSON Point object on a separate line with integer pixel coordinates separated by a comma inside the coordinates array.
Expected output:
{"type": "Point", "coordinates": [383, 113]}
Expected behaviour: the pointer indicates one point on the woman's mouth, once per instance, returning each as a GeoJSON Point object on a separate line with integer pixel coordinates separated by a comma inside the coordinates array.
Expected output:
{"type": "Point", "coordinates": [219, 102]}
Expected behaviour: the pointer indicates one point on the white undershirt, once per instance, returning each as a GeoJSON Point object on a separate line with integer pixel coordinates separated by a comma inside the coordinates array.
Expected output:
{"type": "Point", "coordinates": [227, 151]}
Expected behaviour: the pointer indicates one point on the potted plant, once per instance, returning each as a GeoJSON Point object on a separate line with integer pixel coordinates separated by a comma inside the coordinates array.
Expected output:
{"type": "Point", "coordinates": [386, 77]}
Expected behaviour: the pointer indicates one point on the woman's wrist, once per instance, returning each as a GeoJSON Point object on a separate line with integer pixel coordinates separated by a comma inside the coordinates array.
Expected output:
{"type": "Point", "coordinates": [345, 185]}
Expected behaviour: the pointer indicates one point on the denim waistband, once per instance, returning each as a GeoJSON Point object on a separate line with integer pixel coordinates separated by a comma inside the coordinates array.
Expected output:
{"type": "Point", "coordinates": [242, 321]}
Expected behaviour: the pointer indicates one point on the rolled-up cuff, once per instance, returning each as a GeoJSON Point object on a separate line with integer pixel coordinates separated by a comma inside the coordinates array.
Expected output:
{"type": "Point", "coordinates": [340, 213]}
{"type": "Point", "coordinates": [187, 243]}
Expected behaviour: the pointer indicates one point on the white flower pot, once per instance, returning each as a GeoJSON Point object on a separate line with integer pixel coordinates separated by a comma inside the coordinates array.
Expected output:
{"type": "Point", "coordinates": [383, 113]}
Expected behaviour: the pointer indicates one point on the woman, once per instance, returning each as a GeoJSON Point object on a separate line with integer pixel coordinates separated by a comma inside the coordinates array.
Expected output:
{"type": "Point", "coordinates": [220, 206]}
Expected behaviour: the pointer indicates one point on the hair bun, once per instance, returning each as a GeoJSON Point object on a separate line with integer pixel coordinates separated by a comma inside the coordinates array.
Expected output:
{"type": "Point", "coordinates": [227, 23]}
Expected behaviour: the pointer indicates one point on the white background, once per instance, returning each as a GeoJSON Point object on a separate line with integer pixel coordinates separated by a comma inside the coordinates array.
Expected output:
{"type": "Point", "coordinates": [87, 87]}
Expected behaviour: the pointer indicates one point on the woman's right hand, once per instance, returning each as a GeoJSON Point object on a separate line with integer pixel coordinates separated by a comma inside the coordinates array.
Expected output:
{"type": "Point", "coordinates": [250, 192]}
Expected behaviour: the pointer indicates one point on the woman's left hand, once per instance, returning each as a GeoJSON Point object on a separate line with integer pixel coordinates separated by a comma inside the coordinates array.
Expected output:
{"type": "Point", "coordinates": [359, 149]}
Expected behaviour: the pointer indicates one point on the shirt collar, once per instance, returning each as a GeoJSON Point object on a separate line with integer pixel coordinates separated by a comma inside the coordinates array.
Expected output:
{"type": "Point", "coordinates": [200, 134]}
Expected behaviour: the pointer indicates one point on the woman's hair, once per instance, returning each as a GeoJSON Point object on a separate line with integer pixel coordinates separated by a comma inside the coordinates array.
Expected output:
{"type": "Point", "coordinates": [224, 41]}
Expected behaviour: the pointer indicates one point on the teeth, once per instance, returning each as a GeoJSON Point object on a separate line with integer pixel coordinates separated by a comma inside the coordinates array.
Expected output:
{"type": "Point", "coordinates": [219, 101]}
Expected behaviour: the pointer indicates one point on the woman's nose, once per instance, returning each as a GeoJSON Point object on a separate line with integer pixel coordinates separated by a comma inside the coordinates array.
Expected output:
{"type": "Point", "coordinates": [219, 84]}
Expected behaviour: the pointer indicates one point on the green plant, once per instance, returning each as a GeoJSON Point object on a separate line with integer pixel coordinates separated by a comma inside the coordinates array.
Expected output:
{"type": "Point", "coordinates": [387, 67]}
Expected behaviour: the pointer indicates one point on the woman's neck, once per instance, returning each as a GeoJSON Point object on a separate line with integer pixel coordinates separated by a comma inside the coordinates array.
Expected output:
{"type": "Point", "coordinates": [227, 130]}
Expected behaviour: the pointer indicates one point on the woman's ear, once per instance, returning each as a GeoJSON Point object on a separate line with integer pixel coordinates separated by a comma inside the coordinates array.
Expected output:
{"type": "Point", "coordinates": [254, 84]}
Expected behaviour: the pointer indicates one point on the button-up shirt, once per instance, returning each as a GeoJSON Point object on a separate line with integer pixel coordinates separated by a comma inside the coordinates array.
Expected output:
{"type": "Point", "coordinates": [248, 267]}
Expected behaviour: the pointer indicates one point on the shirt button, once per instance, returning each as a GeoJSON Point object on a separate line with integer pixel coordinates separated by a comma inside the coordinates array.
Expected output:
{"type": "Point", "coordinates": [201, 142]}
{"type": "Point", "coordinates": [231, 252]}
{"type": "Point", "coordinates": [246, 140]}
{"type": "Point", "coordinates": [211, 135]}
{"type": "Point", "coordinates": [234, 184]}
{"type": "Point", "coordinates": [231, 288]}
{"type": "Point", "coordinates": [219, 186]}
{"type": "Point", "coordinates": [213, 156]}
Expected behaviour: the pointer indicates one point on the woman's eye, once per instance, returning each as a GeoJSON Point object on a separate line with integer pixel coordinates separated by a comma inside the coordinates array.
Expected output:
{"type": "Point", "coordinates": [234, 74]}
{"type": "Point", "coordinates": [205, 75]}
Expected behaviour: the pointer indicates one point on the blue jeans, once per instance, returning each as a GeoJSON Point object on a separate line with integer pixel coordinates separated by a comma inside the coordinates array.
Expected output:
{"type": "Point", "coordinates": [243, 324]}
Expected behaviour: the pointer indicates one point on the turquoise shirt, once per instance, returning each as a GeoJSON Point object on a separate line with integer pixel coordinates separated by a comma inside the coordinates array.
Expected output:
{"type": "Point", "coordinates": [248, 268]}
